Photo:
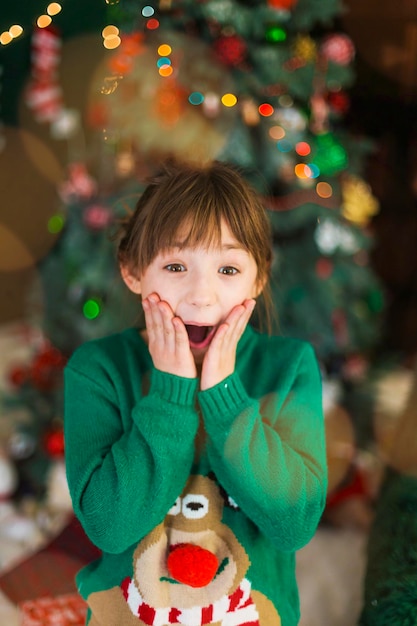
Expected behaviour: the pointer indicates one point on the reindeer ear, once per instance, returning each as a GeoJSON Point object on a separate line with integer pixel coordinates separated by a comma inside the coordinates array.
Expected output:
{"type": "Point", "coordinates": [132, 281]}
{"type": "Point", "coordinates": [212, 477]}
{"type": "Point", "coordinates": [227, 500]}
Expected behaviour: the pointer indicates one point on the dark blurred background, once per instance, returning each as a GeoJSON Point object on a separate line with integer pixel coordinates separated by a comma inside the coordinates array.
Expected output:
{"type": "Point", "coordinates": [384, 108]}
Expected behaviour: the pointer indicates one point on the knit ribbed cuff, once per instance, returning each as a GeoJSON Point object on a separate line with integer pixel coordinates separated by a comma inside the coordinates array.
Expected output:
{"type": "Point", "coordinates": [175, 389]}
{"type": "Point", "coordinates": [222, 402]}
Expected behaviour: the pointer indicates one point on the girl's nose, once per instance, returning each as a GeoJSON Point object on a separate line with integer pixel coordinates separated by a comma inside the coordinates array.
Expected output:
{"type": "Point", "coordinates": [202, 292]}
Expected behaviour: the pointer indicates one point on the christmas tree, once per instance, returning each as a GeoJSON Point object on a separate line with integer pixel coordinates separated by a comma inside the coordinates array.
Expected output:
{"type": "Point", "coordinates": [262, 84]}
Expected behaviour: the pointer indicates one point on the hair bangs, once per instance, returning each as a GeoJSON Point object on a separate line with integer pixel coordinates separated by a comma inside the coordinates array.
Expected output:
{"type": "Point", "coordinates": [195, 224]}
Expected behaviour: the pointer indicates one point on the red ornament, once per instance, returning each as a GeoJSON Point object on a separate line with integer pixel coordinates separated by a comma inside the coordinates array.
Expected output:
{"type": "Point", "coordinates": [339, 101]}
{"type": "Point", "coordinates": [324, 268]}
{"type": "Point", "coordinates": [338, 49]}
{"type": "Point", "coordinates": [123, 61]}
{"type": "Point", "coordinates": [18, 376]}
{"type": "Point", "coordinates": [231, 49]}
{"type": "Point", "coordinates": [79, 184]}
{"type": "Point", "coordinates": [285, 5]}
{"type": "Point", "coordinates": [192, 565]}
{"type": "Point", "coordinates": [97, 115]}
{"type": "Point", "coordinates": [46, 369]}
{"type": "Point", "coordinates": [97, 217]}
{"type": "Point", "coordinates": [54, 443]}
{"type": "Point", "coordinates": [355, 367]}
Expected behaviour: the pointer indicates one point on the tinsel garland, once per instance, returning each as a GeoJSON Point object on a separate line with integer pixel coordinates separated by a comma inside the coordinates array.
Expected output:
{"type": "Point", "coordinates": [390, 590]}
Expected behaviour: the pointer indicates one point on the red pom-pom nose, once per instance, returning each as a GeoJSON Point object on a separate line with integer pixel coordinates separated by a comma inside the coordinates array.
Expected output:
{"type": "Point", "coordinates": [192, 565]}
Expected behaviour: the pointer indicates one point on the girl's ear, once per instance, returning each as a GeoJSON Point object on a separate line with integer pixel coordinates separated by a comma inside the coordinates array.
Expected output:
{"type": "Point", "coordinates": [130, 280]}
{"type": "Point", "coordinates": [259, 287]}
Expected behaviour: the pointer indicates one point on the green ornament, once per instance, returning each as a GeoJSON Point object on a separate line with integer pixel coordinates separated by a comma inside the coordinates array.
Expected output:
{"type": "Point", "coordinates": [92, 308]}
{"type": "Point", "coordinates": [56, 224]}
{"type": "Point", "coordinates": [375, 301]}
{"type": "Point", "coordinates": [275, 34]}
{"type": "Point", "coordinates": [330, 156]}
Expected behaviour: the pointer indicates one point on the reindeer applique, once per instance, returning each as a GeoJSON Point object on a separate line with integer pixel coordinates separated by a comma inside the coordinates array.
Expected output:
{"type": "Point", "coordinates": [189, 570]}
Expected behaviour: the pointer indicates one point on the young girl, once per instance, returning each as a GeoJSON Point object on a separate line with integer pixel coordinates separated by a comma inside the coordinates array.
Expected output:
{"type": "Point", "coordinates": [195, 446]}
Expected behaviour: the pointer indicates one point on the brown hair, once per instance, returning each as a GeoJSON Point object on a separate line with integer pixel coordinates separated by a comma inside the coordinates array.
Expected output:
{"type": "Point", "coordinates": [199, 196]}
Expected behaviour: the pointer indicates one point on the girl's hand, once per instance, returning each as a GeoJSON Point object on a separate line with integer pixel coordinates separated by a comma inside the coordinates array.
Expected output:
{"type": "Point", "coordinates": [167, 338]}
{"type": "Point", "coordinates": [220, 358]}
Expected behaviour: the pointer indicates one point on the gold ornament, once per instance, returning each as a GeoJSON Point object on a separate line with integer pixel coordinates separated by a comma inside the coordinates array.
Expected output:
{"type": "Point", "coordinates": [305, 48]}
{"type": "Point", "coordinates": [153, 111]}
{"type": "Point", "coordinates": [359, 204]}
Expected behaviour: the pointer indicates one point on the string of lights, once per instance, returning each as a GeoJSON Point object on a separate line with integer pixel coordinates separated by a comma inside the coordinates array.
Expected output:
{"type": "Point", "coordinates": [42, 21]}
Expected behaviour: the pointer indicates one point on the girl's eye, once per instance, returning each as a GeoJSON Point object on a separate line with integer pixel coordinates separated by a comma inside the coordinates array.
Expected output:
{"type": "Point", "coordinates": [175, 267]}
{"type": "Point", "coordinates": [228, 270]}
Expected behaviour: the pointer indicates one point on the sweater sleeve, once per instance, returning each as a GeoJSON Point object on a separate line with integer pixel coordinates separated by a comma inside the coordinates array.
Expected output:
{"type": "Point", "coordinates": [123, 473]}
{"type": "Point", "coordinates": [269, 454]}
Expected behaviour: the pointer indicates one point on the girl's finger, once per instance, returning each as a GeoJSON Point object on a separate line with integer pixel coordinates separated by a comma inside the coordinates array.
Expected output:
{"type": "Point", "coordinates": [155, 320]}
{"type": "Point", "coordinates": [168, 328]}
{"type": "Point", "coordinates": [244, 318]}
{"type": "Point", "coordinates": [146, 305]}
{"type": "Point", "coordinates": [181, 335]}
{"type": "Point", "coordinates": [238, 320]}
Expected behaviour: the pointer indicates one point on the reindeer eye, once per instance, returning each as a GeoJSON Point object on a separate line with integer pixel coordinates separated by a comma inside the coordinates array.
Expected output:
{"type": "Point", "coordinates": [195, 506]}
{"type": "Point", "coordinates": [176, 508]}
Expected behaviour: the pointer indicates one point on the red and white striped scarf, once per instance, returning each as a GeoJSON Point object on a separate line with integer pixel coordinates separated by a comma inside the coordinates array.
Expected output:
{"type": "Point", "coordinates": [238, 609]}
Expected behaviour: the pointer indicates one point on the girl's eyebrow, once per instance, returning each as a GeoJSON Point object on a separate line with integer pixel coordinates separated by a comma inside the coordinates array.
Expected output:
{"type": "Point", "coordinates": [233, 246]}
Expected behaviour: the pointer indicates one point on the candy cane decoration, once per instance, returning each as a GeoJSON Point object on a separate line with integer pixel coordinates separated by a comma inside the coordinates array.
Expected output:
{"type": "Point", "coordinates": [44, 95]}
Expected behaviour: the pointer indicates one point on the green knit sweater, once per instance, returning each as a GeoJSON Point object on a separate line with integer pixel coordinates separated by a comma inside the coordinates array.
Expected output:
{"type": "Point", "coordinates": [197, 499]}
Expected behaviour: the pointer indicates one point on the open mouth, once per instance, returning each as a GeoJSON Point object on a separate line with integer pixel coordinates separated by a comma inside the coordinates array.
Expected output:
{"type": "Point", "coordinates": [200, 336]}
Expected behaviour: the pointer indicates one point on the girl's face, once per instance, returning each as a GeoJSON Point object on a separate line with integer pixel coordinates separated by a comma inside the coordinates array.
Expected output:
{"type": "Point", "coordinates": [201, 285]}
